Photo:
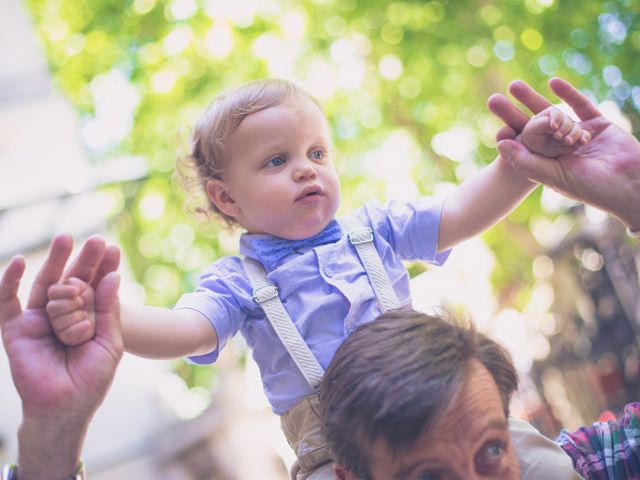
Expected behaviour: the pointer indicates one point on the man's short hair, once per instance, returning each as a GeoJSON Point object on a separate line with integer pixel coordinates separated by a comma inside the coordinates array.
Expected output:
{"type": "Point", "coordinates": [394, 377]}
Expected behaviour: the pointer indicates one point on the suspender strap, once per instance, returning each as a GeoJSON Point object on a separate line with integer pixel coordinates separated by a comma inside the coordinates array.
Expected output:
{"type": "Point", "coordinates": [362, 239]}
{"type": "Point", "coordinates": [266, 295]}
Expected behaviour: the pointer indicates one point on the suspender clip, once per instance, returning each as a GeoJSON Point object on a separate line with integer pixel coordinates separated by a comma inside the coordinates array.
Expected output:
{"type": "Point", "coordinates": [265, 293]}
{"type": "Point", "coordinates": [361, 235]}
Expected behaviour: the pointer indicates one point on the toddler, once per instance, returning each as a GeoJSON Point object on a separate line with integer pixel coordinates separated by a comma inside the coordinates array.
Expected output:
{"type": "Point", "coordinates": [263, 156]}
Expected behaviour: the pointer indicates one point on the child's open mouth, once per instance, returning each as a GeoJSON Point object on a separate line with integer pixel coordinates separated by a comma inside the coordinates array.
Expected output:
{"type": "Point", "coordinates": [309, 194]}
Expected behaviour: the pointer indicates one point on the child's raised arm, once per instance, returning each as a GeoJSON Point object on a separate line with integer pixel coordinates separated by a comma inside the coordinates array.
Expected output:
{"type": "Point", "coordinates": [492, 193]}
{"type": "Point", "coordinates": [480, 202]}
{"type": "Point", "coordinates": [150, 332]}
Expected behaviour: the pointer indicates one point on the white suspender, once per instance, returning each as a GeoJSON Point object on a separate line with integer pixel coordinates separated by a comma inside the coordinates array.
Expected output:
{"type": "Point", "coordinates": [266, 295]}
{"type": "Point", "coordinates": [362, 238]}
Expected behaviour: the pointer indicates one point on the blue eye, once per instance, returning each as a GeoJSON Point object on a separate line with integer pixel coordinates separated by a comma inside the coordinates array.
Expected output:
{"type": "Point", "coordinates": [428, 476]}
{"type": "Point", "coordinates": [317, 155]}
{"type": "Point", "coordinates": [276, 161]}
{"type": "Point", "coordinates": [495, 450]}
{"type": "Point", "coordinates": [491, 457]}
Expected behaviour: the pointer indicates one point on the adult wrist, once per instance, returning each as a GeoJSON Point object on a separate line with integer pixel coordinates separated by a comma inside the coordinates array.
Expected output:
{"type": "Point", "coordinates": [10, 472]}
{"type": "Point", "coordinates": [50, 448]}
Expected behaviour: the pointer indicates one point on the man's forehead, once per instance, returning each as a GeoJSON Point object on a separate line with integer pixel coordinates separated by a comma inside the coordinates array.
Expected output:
{"type": "Point", "coordinates": [476, 408]}
{"type": "Point", "coordinates": [477, 402]}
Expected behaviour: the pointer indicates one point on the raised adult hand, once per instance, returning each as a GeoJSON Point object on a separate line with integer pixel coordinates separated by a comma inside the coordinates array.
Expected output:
{"type": "Point", "coordinates": [604, 173]}
{"type": "Point", "coordinates": [60, 387]}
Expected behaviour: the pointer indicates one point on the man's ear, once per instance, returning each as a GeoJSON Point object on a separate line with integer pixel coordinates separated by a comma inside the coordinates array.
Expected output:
{"type": "Point", "coordinates": [218, 193]}
{"type": "Point", "coordinates": [342, 473]}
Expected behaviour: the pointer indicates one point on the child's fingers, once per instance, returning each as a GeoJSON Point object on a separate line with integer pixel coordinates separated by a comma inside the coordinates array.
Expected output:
{"type": "Point", "coordinates": [585, 137]}
{"type": "Point", "coordinates": [73, 328]}
{"type": "Point", "coordinates": [565, 127]}
{"type": "Point", "coordinates": [574, 135]}
{"type": "Point", "coordinates": [64, 306]}
{"type": "Point", "coordinates": [76, 282]}
{"type": "Point", "coordinates": [61, 291]}
{"type": "Point", "coordinates": [77, 333]}
{"type": "Point", "coordinates": [555, 118]}
{"type": "Point", "coordinates": [72, 287]}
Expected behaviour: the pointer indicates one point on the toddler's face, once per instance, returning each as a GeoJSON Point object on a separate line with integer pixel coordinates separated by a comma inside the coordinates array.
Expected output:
{"type": "Point", "coordinates": [280, 178]}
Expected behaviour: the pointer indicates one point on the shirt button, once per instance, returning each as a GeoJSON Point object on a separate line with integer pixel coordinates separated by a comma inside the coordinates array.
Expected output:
{"type": "Point", "coordinates": [328, 271]}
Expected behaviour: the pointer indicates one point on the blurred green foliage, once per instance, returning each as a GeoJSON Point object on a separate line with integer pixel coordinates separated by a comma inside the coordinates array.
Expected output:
{"type": "Point", "coordinates": [377, 66]}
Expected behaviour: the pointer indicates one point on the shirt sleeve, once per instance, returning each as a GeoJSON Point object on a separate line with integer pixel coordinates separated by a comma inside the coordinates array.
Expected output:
{"type": "Point", "coordinates": [606, 450]}
{"type": "Point", "coordinates": [220, 296]}
{"type": "Point", "coordinates": [410, 228]}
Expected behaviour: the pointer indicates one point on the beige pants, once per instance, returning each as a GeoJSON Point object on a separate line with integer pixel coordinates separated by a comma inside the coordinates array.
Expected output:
{"type": "Point", "coordinates": [301, 426]}
{"type": "Point", "coordinates": [539, 457]}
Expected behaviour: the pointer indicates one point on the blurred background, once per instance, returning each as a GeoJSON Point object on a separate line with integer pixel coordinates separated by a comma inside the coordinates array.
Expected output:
{"type": "Point", "coordinates": [97, 99]}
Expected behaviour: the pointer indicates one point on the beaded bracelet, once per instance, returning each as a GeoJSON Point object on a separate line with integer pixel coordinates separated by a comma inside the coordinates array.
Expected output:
{"type": "Point", "coordinates": [10, 472]}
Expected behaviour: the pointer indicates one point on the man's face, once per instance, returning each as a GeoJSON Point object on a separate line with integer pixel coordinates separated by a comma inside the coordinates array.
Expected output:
{"type": "Point", "coordinates": [470, 441]}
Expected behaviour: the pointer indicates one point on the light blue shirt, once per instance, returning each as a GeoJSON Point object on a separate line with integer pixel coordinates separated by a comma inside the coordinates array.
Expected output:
{"type": "Point", "coordinates": [325, 290]}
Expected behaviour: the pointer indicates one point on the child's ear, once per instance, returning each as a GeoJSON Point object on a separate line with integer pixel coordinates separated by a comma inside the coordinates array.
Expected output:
{"type": "Point", "coordinates": [218, 193]}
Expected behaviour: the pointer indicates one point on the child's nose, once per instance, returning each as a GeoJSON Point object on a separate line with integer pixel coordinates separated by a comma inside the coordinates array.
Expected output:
{"type": "Point", "coordinates": [304, 171]}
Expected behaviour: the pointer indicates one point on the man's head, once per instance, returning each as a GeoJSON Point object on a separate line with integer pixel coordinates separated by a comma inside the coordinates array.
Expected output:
{"type": "Point", "coordinates": [411, 395]}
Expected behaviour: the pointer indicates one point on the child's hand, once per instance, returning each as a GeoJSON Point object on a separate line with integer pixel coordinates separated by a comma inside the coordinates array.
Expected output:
{"type": "Point", "coordinates": [71, 311]}
{"type": "Point", "coordinates": [552, 133]}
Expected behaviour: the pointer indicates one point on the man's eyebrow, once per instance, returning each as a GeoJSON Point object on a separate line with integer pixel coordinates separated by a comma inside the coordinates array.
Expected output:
{"type": "Point", "coordinates": [498, 422]}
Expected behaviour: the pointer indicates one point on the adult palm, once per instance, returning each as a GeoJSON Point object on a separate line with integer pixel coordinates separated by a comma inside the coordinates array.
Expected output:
{"type": "Point", "coordinates": [48, 375]}
{"type": "Point", "coordinates": [604, 173]}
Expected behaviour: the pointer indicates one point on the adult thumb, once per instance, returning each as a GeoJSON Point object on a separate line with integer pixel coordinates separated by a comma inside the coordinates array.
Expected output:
{"type": "Point", "coordinates": [522, 160]}
{"type": "Point", "coordinates": [108, 310]}
{"type": "Point", "coordinates": [510, 150]}
{"type": "Point", "coordinates": [547, 171]}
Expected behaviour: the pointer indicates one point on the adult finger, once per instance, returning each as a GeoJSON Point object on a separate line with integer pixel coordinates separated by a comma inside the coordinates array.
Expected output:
{"type": "Point", "coordinates": [525, 94]}
{"type": "Point", "coordinates": [506, 133]}
{"type": "Point", "coordinates": [506, 111]}
{"type": "Point", "coordinates": [9, 284]}
{"type": "Point", "coordinates": [576, 100]}
{"type": "Point", "coordinates": [110, 263]}
{"type": "Point", "coordinates": [51, 270]}
{"type": "Point", "coordinates": [88, 261]}
{"type": "Point", "coordinates": [108, 327]}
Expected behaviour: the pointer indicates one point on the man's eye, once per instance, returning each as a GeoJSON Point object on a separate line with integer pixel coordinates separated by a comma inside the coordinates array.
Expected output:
{"type": "Point", "coordinates": [429, 476]}
{"type": "Point", "coordinates": [276, 162]}
{"type": "Point", "coordinates": [317, 155]}
{"type": "Point", "coordinates": [489, 460]}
